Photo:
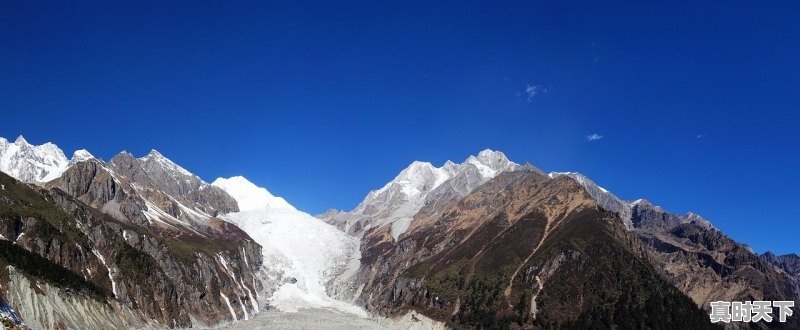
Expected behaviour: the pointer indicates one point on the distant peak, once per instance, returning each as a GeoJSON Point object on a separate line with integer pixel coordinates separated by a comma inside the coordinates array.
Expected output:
{"type": "Point", "coordinates": [693, 215]}
{"type": "Point", "coordinates": [418, 164]}
{"type": "Point", "coordinates": [240, 180]}
{"type": "Point", "coordinates": [489, 156]}
{"type": "Point", "coordinates": [21, 140]}
{"type": "Point", "coordinates": [696, 218]}
{"type": "Point", "coordinates": [490, 162]}
{"type": "Point", "coordinates": [164, 162]}
{"type": "Point", "coordinates": [81, 155]}
{"type": "Point", "coordinates": [155, 153]}
{"type": "Point", "coordinates": [489, 153]}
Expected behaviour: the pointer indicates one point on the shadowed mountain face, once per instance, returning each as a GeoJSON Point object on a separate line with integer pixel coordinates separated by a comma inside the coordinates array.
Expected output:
{"type": "Point", "coordinates": [705, 263]}
{"type": "Point", "coordinates": [697, 258]}
{"type": "Point", "coordinates": [788, 263]}
{"type": "Point", "coordinates": [521, 250]}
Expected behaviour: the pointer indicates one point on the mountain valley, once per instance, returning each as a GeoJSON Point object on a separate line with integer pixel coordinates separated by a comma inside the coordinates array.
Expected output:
{"type": "Point", "coordinates": [485, 243]}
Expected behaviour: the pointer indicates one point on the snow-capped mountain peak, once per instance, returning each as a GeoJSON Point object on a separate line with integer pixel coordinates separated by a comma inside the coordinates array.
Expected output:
{"type": "Point", "coordinates": [489, 162]}
{"type": "Point", "coordinates": [31, 163]}
{"type": "Point", "coordinates": [36, 163]}
{"type": "Point", "coordinates": [156, 157]}
{"type": "Point", "coordinates": [419, 178]}
{"type": "Point", "coordinates": [249, 196]}
{"type": "Point", "coordinates": [80, 156]}
{"type": "Point", "coordinates": [400, 199]}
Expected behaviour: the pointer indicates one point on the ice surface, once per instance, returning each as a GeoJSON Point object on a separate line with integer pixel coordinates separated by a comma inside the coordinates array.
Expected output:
{"type": "Point", "coordinates": [306, 252]}
{"type": "Point", "coordinates": [248, 195]}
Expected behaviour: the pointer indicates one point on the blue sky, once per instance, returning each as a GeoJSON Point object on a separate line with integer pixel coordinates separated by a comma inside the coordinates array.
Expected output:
{"type": "Point", "coordinates": [697, 104]}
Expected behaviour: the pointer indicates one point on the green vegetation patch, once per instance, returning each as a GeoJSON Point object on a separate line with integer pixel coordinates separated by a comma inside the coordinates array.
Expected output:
{"type": "Point", "coordinates": [19, 201]}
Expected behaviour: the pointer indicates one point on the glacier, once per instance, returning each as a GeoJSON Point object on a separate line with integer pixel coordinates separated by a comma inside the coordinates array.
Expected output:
{"type": "Point", "coordinates": [302, 254]}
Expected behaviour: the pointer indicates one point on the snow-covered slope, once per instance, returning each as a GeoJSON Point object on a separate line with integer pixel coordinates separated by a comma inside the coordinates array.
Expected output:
{"type": "Point", "coordinates": [36, 164]}
{"type": "Point", "coordinates": [80, 156]}
{"type": "Point", "coordinates": [249, 196]}
{"type": "Point", "coordinates": [30, 163]}
{"type": "Point", "coordinates": [302, 254]}
{"type": "Point", "coordinates": [398, 201]}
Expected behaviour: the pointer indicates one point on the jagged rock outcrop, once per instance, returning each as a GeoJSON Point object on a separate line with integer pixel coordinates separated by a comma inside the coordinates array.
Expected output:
{"type": "Point", "coordinates": [171, 275]}
{"type": "Point", "coordinates": [787, 263]}
{"type": "Point", "coordinates": [157, 177]}
{"type": "Point", "coordinates": [790, 263]}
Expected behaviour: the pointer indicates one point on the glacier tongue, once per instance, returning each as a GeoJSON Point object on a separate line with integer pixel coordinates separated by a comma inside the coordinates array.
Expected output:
{"type": "Point", "coordinates": [302, 254]}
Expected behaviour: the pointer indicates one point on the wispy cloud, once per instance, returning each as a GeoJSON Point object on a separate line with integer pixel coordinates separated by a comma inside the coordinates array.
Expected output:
{"type": "Point", "coordinates": [594, 137]}
{"type": "Point", "coordinates": [700, 136]}
{"type": "Point", "coordinates": [533, 90]}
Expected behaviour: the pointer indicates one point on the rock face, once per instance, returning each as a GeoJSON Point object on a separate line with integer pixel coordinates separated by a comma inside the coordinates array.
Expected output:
{"type": "Point", "coordinates": [418, 185]}
{"type": "Point", "coordinates": [57, 308]}
{"type": "Point", "coordinates": [159, 179]}
{"type": "Point", "coordinates": [604, 198]}
{"type": "Point", "coordinates": [787, 263]}
{"type": "Point", "coordinates": [790, 263]}
{"type": "Point", "coordinates": [135, 246]}
{"type": "Point", "coordinates": [520, 250]}
{"type": "Point", "coordinates": [703, 262]}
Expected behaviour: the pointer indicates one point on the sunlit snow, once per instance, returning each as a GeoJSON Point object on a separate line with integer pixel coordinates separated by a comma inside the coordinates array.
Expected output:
{"type": "Point", "coordinates": [306, 252]}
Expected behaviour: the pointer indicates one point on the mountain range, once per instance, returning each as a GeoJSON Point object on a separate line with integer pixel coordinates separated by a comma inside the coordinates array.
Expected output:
{"type": "Point", "coordinates": [486, 243]}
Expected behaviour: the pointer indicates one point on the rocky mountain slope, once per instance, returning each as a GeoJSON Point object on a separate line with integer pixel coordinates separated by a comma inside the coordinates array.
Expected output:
{"type": "Point", "coordinates": [521, 250]}
{"type": "Point", "coordinates": [487, 243]}
{"type": "Point", "coordinates": [458, 243]}
{"type": "Point", "coordinates": [695, 256]}
{"type": "Point", "coordinates": [788, 263]}
{"type": "Point", "coordinates": [145, 232]}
